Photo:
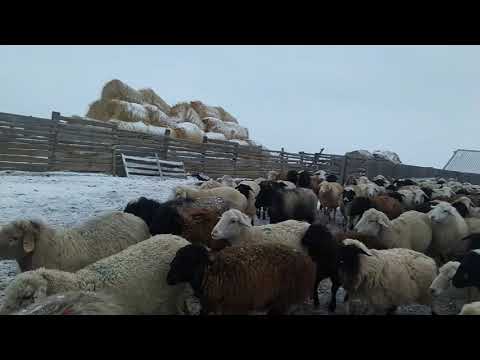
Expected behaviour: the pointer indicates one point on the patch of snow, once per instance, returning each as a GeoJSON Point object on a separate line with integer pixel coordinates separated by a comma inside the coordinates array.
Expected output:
{"type": "Point", "coordinates": [140, 127]}
{"type": "Point", "coordinates": [215, 136]}
{"type": "Point", "coordinates": [387, 155]}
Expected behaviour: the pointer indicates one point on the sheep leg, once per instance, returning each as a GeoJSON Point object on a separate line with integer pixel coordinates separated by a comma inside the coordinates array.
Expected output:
{"type": "Point", "coordinates": [391, 310]}
{"type": "Point", "coordinates": [333, 301]}
{"type": "Point", "coordinates": [316, 298]}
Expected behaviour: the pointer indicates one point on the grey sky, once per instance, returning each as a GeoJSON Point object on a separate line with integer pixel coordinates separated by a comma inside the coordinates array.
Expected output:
{"type": "Point", "coordinates": [422, 102]}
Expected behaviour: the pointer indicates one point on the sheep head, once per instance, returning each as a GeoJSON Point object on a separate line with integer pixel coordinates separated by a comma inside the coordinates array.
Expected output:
{"type": "Point", "coordinates": [349, 261]}
{"type": "Point", "coordinates": [25, 289]}
{"type": "Point", "coordinates": [372, 222]}
{"type": "Point", "coordinates": [228, 229]}
{"type": "Point", "coordinates": [442, 212]}
{"type": "Point", "coordinates": [189, 261]}
{"type": "Point", "coordinates": [444, 277]}
{"type": "Point", "coordinates": [467, 273]}
{"type": "Point", "coordinates": [19, 238]}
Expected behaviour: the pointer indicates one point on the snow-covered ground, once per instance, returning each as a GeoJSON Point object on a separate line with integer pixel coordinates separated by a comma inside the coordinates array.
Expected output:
{"type": "Point", "coordinates": [66, 199]}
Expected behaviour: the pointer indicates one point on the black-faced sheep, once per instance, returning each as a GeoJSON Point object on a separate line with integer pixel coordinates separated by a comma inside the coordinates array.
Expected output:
{"type": "Point", "coordinates": [468, 273]}
{"type": "Point", "coordinates": [386, 204]}
{"type": "Point", "coordinates": [137, 274]}
{"type": "Point", "coordinates": [284, 204]}
{"type": "Point", "coordinates": [304, 180]}
{"type": "Point", "coordinates": [177, 217]}
{"type": "Point", "coordinates": [323, 248]}
{"type": "Point", "coordinates": [292, 176]}
{"type": "Point", "coordinates": [238, 280]}
{"type": "Point", "coordinates": [35, 244]}
{"type": "Point", "coordinates": [385, 279]}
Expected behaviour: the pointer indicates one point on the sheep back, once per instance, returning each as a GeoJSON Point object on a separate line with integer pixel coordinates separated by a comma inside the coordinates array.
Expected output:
{"type": "Point", "coordinates": [99, 237]}
{"type": "Point", "coordinates": [256, 277]}
{"type": "Point", "coordinates": [393, 277]}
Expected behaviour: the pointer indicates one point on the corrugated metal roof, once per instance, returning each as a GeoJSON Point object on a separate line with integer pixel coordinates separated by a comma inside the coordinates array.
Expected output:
{"type": "Point", "coordinates": [464, 161]}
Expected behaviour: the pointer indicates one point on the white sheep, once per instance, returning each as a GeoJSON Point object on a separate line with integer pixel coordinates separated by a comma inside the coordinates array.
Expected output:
{"type": "Point", "coordinates": [443, 282]}
{"type": "Point", "coordinates": [444, 192]}
{"type": "Point", "coordinates": [137, 275]}
{"type": "Point", "coordinates": [210, 184]}
{"type": "Point", "coordinates": [227, 180]}
{"type": "Point", "coordinates": [34, 244]}
{"type": "Point", "coordinates": [233, 198]}
{"type": "Point", "coordinates": [273, 175]}
{"type": "Point", "coordinates": [235, 229]}
{"type": "Point", "coordinates": [449, 228]}
{"type": "Point", "coordinates": [385, 279]}
{"type": "Point", "coordinates": [471, 309]}
{"type": "Point", "coordinates": [473, 224]}
{"type": "Point", "coordinates": [363, 180]}
{"type": "Point", "coordinates": [411, 230]}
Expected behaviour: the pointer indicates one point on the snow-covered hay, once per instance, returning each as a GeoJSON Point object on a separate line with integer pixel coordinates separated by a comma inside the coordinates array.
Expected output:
{"type": "Point", "coordinates": [186, 113]}
{"type": "Point", "coordinates": [240, 142]}
{"type": "Point", "coordinates": [226, 116]}
{"type": "Point", "coordinates": [188, 131]}
{"type": "Point", "coordinates": [229, 129]}
{"type": "Point", "coordinates": [150, 97]}
{"type": "Point", "coordinates": [205, 110]}
{"type": "Point", "coordinates": [115, 89]}
{"type": "Point", "coordinates": [143, 128]}
{"type": "Point", "coordinates": [215, 136]}
{"type": "Point", "coordinates": [117, 109]}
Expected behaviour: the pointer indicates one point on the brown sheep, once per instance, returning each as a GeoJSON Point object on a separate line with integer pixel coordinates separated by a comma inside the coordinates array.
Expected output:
{"type": "Point", "coordinates": [242, 279]}
{"type": "Point", "coordinates": [198, 224]}
{"type": "Point", "coordinates": [330, 196]}
{"type": "Point", "coordinates": [384, 203]}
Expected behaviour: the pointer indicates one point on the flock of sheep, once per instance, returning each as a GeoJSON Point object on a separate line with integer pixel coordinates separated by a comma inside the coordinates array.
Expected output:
{"type": "Point", "coordinates": [403, 242]}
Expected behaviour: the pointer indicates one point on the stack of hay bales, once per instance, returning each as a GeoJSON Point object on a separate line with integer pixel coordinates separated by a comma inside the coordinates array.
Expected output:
{"type": "Point", "coordinates": [145, 111]}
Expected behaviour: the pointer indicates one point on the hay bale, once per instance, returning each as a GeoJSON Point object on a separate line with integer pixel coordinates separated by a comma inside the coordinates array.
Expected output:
{"type": "Point", "coordinates": [226, 116]}
{"type": "Point", "coordinates": [157, 117]}
{"type": "Point", "coordinates": [229, 129]}
{"type": "Point", "coordinates": [105, 110]}
{"type": "Point", "coordinates": [215, 136]}
{"type": "Point", "coordinates": [240, 142]}
{"type": "Point", "coordinates": [188, 131]}
{"type": "Point", "coordinates": [205, 110]}
{"type": "Point", "coordinates": [150, 97]}
{"type": "Point", "coordinates": [187, 113]}
{"type": "Point", "coordinates": [115, 89]}
{"type": "Point", "coordinates": [141, 127]}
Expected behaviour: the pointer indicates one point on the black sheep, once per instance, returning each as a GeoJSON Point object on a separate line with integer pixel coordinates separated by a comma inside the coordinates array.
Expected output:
{"type": "Point", "coordinates": [331, 178]}
{"type": "Point", "coordinates": [246, 191]}
{"type": "Point", "coordinates": [284, 204]}
{"type": "Point", "coordinates": [161, 218]}
{"type": "Point", "coordinates": [304, 179]}
{"type": "Point", "coordinates": [292, 176]}
{"type": "Point", "coordinates": [461, 208]}
{"type": "Point", "coordinates": [468, 273]}
{"type": "Point", "coordinates": [323, 249]}
{"type": "Point", "coordinates": [427, 191]}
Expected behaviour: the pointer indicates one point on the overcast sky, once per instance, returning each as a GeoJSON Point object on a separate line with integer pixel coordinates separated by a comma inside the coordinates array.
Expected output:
{"type": "Point", "coordinates": [422, 102]}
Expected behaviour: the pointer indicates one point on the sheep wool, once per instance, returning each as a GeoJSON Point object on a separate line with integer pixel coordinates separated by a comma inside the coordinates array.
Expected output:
{"type": "Point", "coordinates": [391, 277]}
{"type": "Point", "coordinates": [71, 249]}
{"type": "Point", "coordinates": [137, 274]}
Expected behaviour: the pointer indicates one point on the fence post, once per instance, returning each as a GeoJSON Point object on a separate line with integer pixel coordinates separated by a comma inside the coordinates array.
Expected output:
{"type": "Point", "coordinates": [204, 150]}
{"type": "Point", "coordinates": [114, 150]}
{"type": "Point", "coordinates": [53, 140]}
{"type": "Point", "coordinates": [344, 169]}
{"type": "Point", "coordinates": [235, 156]}
{"type": "Point", "coordinates": [301, 159]}
{"type": "Point", "coordinates": [282, 163]}
{"type": "Point", "coordinates": [166, 139]}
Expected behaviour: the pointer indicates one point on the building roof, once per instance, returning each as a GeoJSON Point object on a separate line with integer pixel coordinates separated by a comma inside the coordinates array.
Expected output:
{"type": "Point", "coordinates": [464, 161]}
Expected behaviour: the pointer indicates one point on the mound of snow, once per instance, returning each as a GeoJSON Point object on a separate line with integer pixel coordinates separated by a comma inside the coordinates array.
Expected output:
{"type": "Point", "coordinates": [215, 136]}
{"type": "Point", "coordinates": [140, 127]}
{"type": "Point", "coordinates": [363, 154]}
{"type": "Point", "coordinates": [387, 155]}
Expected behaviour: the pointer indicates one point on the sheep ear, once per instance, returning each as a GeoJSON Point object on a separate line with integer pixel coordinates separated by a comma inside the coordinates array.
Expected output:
{"type": "Point", "coordinates": [245, 220]}
{"type": "Point", "coordinates": [382, 222]}
{"type": "Point", "coordinates": [31, 230]}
